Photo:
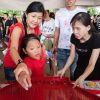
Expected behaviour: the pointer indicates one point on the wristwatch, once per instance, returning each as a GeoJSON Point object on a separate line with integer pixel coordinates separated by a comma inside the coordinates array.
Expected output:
{"type": "Point", "coordinates": [20, 61]}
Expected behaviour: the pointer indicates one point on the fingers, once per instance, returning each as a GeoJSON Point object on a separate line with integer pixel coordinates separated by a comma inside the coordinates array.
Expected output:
{"type": "Point", "coordinates": [25, 81]}
{"type": "Point", "coordinates": [24, 84]}
{"type": "Point", "coordinates": [29, 82]}
{"type": "Point", "coordinates": [79, 84]}
{"type": "Point", "coordinates": [60, 73]}
{"type": "Point", "coordinates": [19, 69]}
{"type": "Point", "coordinates": [75, 84]}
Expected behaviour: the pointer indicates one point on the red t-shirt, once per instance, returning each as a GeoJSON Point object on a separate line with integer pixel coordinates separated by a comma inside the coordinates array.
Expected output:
{"type": "Point", "coordinates": [37, 66]}
{"type": "Point", "coordinates": [8, 62]}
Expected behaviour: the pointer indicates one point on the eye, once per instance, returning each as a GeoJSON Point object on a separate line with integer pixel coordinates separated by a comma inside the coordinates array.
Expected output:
{"type": "Point", "coordinates": [40, 18]}
{"type": "Point", "coordinates": [33, 16]}
{"type": "Point", "coordinates": [78, 28]}
{"type": "Point", "coordinates": [31, 48]}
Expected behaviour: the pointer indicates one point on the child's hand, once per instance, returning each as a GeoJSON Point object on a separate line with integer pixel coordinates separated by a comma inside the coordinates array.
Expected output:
{"type": "Point", "coordinates": [61, 72]}
{"type": "Point", "coordinates": [24, 80]}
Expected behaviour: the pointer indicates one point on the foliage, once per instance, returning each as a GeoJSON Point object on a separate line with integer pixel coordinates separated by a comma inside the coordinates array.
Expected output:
{"type": "Point", "coordinates": [93, 11]}
{"type": "Point", "coordinates": [10, 12]}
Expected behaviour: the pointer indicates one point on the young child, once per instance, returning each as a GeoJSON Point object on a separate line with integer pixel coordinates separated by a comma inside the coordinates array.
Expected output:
{"type": "Point", "coordinates": [34, 57]}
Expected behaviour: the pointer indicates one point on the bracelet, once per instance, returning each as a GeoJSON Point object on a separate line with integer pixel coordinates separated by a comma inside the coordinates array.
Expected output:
{"type": "Point", "coordinates": [19, 61]}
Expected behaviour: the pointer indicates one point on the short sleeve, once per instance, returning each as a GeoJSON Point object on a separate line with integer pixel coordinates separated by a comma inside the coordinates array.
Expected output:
{"type": "Point", "coordinates": [57, 20]}
{"type": "Point", "coordinates": [96, 41]}
{"type": "Point", "coordinates": [73, 39]}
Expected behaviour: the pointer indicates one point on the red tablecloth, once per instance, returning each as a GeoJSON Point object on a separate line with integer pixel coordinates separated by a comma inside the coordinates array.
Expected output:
{"type": "Point", "coordinates": [46, 88]}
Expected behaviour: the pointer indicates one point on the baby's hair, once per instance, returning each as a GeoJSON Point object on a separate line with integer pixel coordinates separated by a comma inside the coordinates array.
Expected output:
{"type": "Point", "coordinates": [25, 41]}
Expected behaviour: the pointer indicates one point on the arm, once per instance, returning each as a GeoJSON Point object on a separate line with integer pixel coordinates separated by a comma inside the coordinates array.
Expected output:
{"type": "Point", "coordinates": [56, 37]}
{"type": "Point", "coordinates": [14, 51]}
{"type": "Point", "coordinates": [7, 28]}
{"type": "Point", "coordinates": [15, 35]}
{"type": "Point", "coordinates": [69, 61]}
{"type": "Point", "coordinates": [89, 68]}
{"type": "Point", "coordinates": [48, 35]}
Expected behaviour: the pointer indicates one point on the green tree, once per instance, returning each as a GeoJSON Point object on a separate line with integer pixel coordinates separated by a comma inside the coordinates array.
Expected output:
{"type": "Point", "coordinates": [93, 11]}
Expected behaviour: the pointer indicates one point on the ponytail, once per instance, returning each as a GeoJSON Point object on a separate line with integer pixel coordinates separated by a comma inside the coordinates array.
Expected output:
{"type": "Point", "coordinates": [24, 23]}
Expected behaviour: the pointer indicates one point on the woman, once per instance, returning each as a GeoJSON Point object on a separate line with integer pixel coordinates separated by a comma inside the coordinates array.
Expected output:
{"type": "Point", "coordinates": [87, 44]}
{"type": "Point", "coordinates": [31, 20]}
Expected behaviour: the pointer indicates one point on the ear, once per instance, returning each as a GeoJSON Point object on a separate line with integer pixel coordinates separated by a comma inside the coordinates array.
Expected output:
{"type": "Point", "coordinates": [24, 51]}
{"type": "Point", "coordinates": [88, 27]}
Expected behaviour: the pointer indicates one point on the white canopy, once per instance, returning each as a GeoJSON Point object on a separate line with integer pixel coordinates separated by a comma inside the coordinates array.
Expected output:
{"type": "Point", "coordinates": [49, 4]}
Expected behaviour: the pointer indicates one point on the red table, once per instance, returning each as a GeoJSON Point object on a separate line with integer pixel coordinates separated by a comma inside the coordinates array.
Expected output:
{"type": "Point", "coordinates": [46, 88]}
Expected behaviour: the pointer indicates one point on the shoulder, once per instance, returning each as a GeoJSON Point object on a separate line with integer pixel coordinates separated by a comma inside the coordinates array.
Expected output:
{"type": "Point", "coordinates": [96, 37]}
{"type": "Point", "coordinates": [61, 10]}
{"type": "Point", "coordinates": [52, 20]}
{"type": "Point", "coordinates": [96, 40]}
{"type": "Point", "coordinates": [81, 9]}
{"type": "Point", "coordinates": [17, 26]}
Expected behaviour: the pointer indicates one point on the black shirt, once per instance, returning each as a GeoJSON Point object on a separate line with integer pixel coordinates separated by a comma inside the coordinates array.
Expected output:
{"type": "Point", "coordinates": [7, 23]}
{"type": "Point", "coordinates": [84, 51]}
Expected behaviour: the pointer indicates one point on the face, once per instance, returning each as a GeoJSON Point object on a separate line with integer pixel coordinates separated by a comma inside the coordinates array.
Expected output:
{"type": "Point", "coordinates": [5, 16]}
{"type": "Point", "coordinates": [80, 30]}
{"type": "Point", "coordinates": [34, 19]}
{"type": "Point", "coordinates": [70, 3]}
{"type": "Point", "coordinates": [46, 14]}
{"type": "Point", "coordinates": [33, 49]}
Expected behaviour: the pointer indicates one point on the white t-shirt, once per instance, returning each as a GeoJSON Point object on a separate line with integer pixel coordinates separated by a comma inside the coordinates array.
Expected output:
{"type": "Point", "coordinates": [62, 21]}
{"type": "Point", "coordinates": [48, 28]}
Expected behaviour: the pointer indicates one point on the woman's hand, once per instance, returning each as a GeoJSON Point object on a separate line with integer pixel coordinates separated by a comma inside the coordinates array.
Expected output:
{"type": "Point", "coordinates": [61, 72]}
{"type": "Point", "coordinates": [21, 67]}
{"type": "Point", "coordinates": [79, 82]}
{"type": "Point", "coordinates": [24, 80]}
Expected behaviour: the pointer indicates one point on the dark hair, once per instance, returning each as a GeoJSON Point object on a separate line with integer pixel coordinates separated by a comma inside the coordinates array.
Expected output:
{"type": "Point", "coordinates": [6, 14]}
{"type": "Point", "coordinates": [25, 41]}
{"type": "Point", "coordinates": [52, 15]}
{"type": "Point", "coordinates": [33, 7]}
{"type": "Point", "coordinates": [85, 19]}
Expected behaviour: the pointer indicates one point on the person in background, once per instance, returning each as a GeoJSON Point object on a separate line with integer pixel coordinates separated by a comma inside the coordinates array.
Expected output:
{"type": "Point", "coordinates": [48, 28]}
{"type": "Point", "coordinates": [33, 56]}
{"type": "Point", "coordinates": [98, 23]}
{"type": "Point", "coordinates": [7, 24]}
{"type": "Point", "coordinates": [52, 15]}
{"type": "Point", "coordinates": [14, 19]}
{"type": "Point", "coordinates": [13, 63]}
{"type": "Point", "coordinates": [63, 31]}
{"type": "Point", "coordinates": [1, 34]}
{"type": "Point", "coordinates": [86, 43]}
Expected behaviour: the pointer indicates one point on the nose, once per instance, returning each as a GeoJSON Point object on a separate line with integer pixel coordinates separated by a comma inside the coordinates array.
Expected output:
{"type": "Point", "coordinates": [36, 20]}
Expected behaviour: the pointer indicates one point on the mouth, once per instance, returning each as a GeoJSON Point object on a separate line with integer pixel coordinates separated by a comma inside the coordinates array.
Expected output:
{"type": "Point", "coordinates": [76, 36]}
{"type": "Point", "coordinates": [34, 24]}
{"type": "Point", "coordinates": [37, 55]}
